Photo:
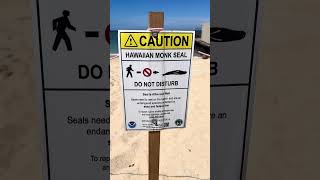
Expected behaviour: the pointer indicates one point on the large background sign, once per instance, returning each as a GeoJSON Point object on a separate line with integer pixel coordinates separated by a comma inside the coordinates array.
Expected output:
{"type": "Point", "coordinates": [155, 78]}
{"type": "Point", "coordinates": [233, 49]}
{"type": "Point", "coordinates": [72, 58]}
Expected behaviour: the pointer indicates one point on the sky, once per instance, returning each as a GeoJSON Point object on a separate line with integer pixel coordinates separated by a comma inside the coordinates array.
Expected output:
{"type": "Point", "coordinates": [178, 14]}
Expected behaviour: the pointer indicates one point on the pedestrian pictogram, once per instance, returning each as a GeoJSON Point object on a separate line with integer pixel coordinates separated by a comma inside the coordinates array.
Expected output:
{"type": "Point", "coordinates": [131, 42]}
{"type": "Point", "coordinates": [129, 69]}
{"type": "Point", "coordinates": [147, 72]}
{"type": "Point", "coordinates": [60, 25]}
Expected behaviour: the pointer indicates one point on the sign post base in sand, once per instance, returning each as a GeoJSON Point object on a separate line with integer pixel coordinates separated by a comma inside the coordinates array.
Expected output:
{"type": "Point", "coordinates": [154, 154]}
{"type": "Point", "coordinates": [156, 20]}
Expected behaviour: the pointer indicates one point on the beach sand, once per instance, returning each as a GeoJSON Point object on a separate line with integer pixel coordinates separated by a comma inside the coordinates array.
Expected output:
{"type": "Point", "coordinates": [184, 153]}
{"type": "Point", "coordinates": [19, 123]}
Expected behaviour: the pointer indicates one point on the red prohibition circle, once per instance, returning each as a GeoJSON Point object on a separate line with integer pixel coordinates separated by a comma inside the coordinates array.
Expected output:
{"type": "Point", "coordinates": [147, 72]}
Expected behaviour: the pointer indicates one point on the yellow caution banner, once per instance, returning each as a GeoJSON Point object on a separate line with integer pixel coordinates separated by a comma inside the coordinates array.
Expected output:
{"type": "Point", "coordinates": [164, 40]}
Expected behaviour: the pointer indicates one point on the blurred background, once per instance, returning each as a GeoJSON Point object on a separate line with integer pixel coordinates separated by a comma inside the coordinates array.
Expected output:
{"type": "Point", "coordinates": [285, 134]}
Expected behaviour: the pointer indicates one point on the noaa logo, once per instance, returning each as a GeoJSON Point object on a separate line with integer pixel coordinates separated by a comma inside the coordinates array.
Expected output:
{"type": "Point", "coordinates": [178, 122]}
{"type": "Point", "coordinates": [132, 124]}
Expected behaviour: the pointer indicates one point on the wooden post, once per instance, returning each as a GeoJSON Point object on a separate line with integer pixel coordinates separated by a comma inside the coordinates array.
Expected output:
{"type": "Point", "coordinates": [156, 20]}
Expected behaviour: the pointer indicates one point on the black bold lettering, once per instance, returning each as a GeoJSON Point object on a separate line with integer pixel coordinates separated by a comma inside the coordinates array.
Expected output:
{"type": "Point", "coordinates": [98, 70]}
{"type": "Point", "coordinates": [83, 71]}
{"type": "Point", "coordinates": [142, 44]}
{"type": "Point", "coordinates": [166, 39]}
{"type": "Point", "coordinates": [159, 41]}
{"type": "Point", "coordinates": [151, 41]}
{"type": "Point", "coordinates": [185, 41]}
{"type": "Point", "coordinates": [177, 41]}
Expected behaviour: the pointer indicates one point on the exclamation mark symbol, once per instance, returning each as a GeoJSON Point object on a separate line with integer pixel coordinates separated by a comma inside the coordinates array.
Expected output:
{"type": "Point", "coordinates": [130, 42]}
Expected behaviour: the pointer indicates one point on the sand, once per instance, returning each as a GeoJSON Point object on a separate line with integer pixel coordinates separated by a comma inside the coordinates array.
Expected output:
{"type": "Point", "coordinates": [285, 134]}
{"type": "Point", "coordinates": [184, 153]}
{"type": "Point", "coordinates": [19, 123]}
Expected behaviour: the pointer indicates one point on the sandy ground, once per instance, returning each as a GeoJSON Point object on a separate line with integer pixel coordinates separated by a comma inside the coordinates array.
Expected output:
{"type": "Point", "coordinates": [19, 125]}
{"type": "Point", "coordinates": [285, 132]}
{"type": "Point", "coordinates": [184, 153]}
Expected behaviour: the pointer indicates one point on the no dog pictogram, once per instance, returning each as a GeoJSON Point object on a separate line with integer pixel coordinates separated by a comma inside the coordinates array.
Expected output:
{"type": "Point", "coordinates": [147, 72]}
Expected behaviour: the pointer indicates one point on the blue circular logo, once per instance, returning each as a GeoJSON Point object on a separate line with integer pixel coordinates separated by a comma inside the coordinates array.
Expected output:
{"type": "Point", "coordinates": [132, 124]}
{"type": "Point", "coordinates": [179, 122]}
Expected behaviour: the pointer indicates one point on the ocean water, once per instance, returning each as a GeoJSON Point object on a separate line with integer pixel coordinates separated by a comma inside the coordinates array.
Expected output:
{"type": "Point", "coordinates": [113, 42]}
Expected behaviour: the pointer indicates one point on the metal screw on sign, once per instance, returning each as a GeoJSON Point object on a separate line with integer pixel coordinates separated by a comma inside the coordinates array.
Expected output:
{"type": "Point", "coordinates": [155, 31]}
{"type": "Point", "coordinates": [155, 34]}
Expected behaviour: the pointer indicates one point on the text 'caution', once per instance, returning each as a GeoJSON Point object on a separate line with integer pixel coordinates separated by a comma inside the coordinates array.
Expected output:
{"type": "Point", "coordinates": [164, 40]}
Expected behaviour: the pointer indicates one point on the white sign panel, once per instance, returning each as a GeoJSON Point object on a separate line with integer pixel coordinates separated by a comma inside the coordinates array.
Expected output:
{"type": "Point", "coordinates": [155, 72]}
{"type": "Point", "coordinates": [233, 49]}
{"type": "Point", "coordinates": [71, 56]}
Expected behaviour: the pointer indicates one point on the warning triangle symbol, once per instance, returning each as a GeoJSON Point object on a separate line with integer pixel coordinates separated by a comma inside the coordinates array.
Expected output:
{"type": "Point", "coordinates": [131, 42]}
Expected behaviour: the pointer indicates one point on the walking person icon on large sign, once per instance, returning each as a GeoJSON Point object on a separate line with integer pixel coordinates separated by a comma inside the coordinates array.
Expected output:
{"type": "Point", "coordinates": [60, 25]}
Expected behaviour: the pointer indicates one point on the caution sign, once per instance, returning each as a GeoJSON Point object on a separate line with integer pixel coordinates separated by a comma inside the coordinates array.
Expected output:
{"type": "Point", "coordinates": [164, 40]}
{"type": "Point", "coordinates": [70, 52]}
{"type": "Point", "coordinates": [155, 78]}
{"type": "Point", "coordinates": [234, 35]}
